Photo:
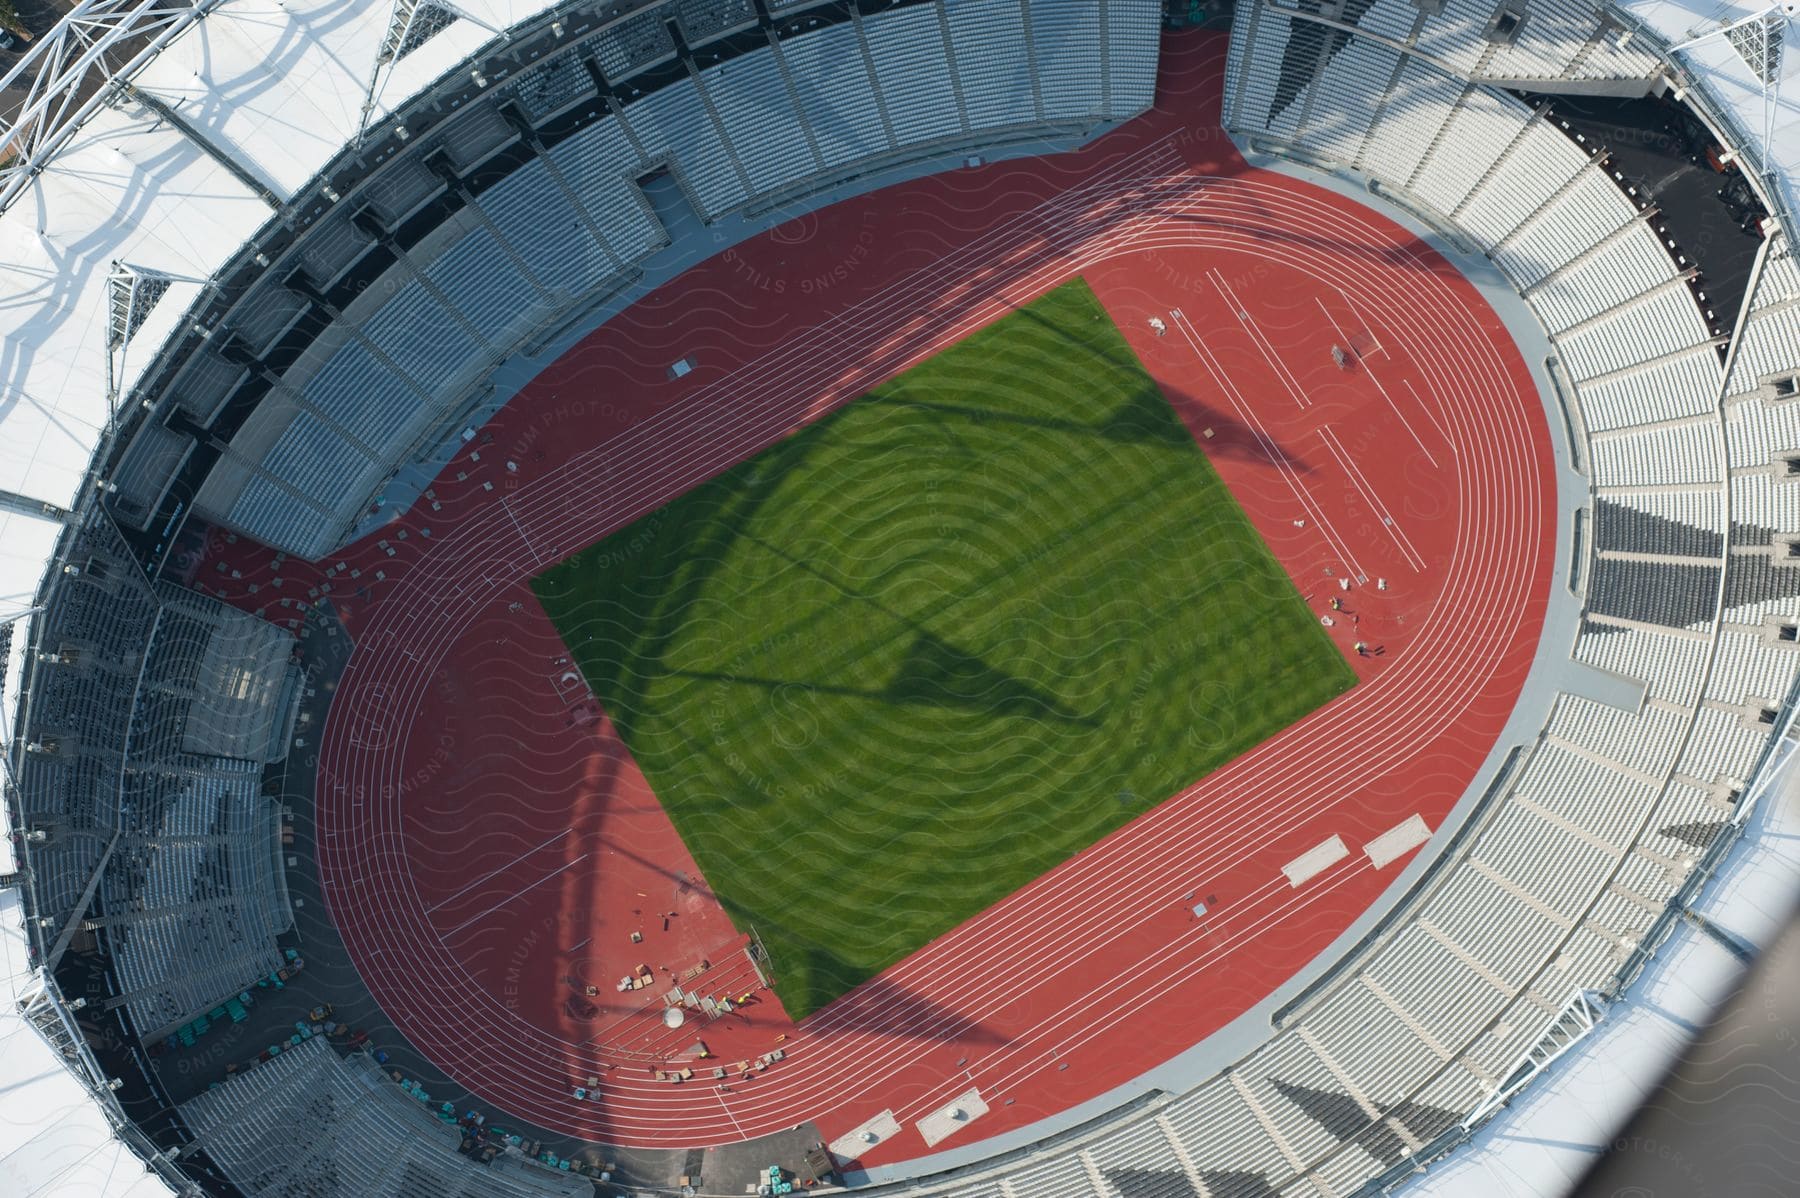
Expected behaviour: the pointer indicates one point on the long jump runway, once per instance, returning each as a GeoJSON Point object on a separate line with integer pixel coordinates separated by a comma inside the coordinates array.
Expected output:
{"type": "Point", "coordinates": [489, 847]}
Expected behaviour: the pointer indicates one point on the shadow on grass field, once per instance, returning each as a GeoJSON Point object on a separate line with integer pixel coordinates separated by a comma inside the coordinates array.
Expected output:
{"type": "Point", "coordinates": [910, 658]}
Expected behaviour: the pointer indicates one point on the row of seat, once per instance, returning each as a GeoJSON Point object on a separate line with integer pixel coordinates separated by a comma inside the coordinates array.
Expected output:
{"type": "Point", "coordinates": [98, 616]}
{"type": "Point", "coordinates": [1669, 388]}
{"type": "Point", "coordinates": [239, 696]}
{"type": "Point", "coordinates": [131, 679]}
{"type": "Point", "coordinates": [814, 104]}
{"type": "Point", "coordinates": [1553, 39]}
{"type": "Point", "coordinates": [1628, 265]}
{"type": "Point", "coordinates": [192, 896]}
{"type": "Point", "coordinates": [1682, 454]}
{"type": "Point", "coordinates": [309, 1123]}
{"type": "Point", "coordinates": [1556, 885]}
{"type": "Point", "coordinates": [1671, 666]}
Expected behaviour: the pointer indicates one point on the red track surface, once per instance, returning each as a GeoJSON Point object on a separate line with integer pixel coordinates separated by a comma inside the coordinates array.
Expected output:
{"type": "Point", "coordinates": [488, 845]}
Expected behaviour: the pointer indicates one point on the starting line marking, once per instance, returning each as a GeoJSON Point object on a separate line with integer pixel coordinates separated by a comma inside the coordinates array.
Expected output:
{"type": "Point", "coordinates": [1315, 861]}
{"type": "Point", "coordinates": [1397, 841]}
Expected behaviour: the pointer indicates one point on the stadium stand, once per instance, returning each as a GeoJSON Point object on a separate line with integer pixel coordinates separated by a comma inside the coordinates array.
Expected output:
{"type": "Point", "coordinates": [192, 896]}
{"type": "Point", "coordinates": [392, 333]}
{"type": "Point", "coordinates": [151, 717]}
{"type": "Point", "coordinates": [703, 21]}
{"type": "Point", "coordinates": [239, 689]}
{"type": "Point", "coordinates": [301, 297]}
{"type": "Point", "coordinates": [387, 289]}
{"type": "Point", "coordinates": [639, 41]}
{"type": "Point", "coordinates": [833, 86]}
{"type": "Point", "coordinates": [79, 687]}
{"type": "Point", "coordinates": [307, 1122]}
{"type": "Point", "coordinates": [1611, 812]}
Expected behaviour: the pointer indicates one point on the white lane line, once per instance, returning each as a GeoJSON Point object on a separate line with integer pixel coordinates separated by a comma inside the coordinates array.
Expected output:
{"type": "Point", "coordinates": [500, 869]}
{"type": "Point", "coordinates": [1362, 360]}
{"type": "Point", "coordinates": [1367, 491]}
{"type": "Point", "coordinates": [521, 530]}
{"type": "Point", "coordinates": [736, 1126]}
{"type": "Point", "coordinates": [1256, 336]}
{"type": "Point", "coordinates": [377, 950]}
{"type": "Point", "coordinates": [1367, 327]}
{"type": "Point", "coordinates": [1429, 415]}
{"type": "Point", "coordinates": [1399, 415]}
{"type": "Point", "coordinates": [1311, 506]}
{"type": "Point", "coordinates": [509, 898]}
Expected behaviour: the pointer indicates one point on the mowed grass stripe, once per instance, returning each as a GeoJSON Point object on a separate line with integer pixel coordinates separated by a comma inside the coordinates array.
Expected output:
{"type": "Point", "coordinates": [917, 654]}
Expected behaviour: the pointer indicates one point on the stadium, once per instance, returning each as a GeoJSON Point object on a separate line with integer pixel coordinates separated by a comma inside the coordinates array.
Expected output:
{"type": "Point", "coordinates": [990, 598]}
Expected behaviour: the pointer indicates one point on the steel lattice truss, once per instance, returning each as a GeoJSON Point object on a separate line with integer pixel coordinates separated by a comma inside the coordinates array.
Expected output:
{"type": "Point", "coordinates": [67, 73]}
{"type": "Point", "coordinates": [1758, 40]}
{"type": "Point", "coordinates": [1580, 1014]}
{"type": "Point", "coordinates": [131, 292]}
{"type": "Point", "coordinates": [410, 24]}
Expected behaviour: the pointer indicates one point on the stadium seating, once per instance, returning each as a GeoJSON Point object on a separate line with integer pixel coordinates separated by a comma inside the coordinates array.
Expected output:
{"type": "Point", "coordinates": [836, 92]}
{"type": "Point", "coordinates": [559, 248]}
{"type": "Point", "coordinates": [98, 618]}
{"type": "Point", "coordinates": [767, 135]}
{"type": "Point", "coordinates": [989, 47]}
{"type": "Point", "coordinates": [640, 41]}
{"type": "Point", "coordinates": [307, 1122]}
{"type": "Point", "coordinates": [406, 352]}
{"type": "Point", "coordinates": [704, 20]}
{"type": "Point", "coordinates": [594, 164]}
{"type": "Point", "coordinates": [309, 385]}
{"type": "Point", "coordinates": [192, 897]}
{"type": "Point", "coordinates": [193, 893]}
{"type": "Point", "coordinates": [1566, 870]}
{"type": "Point", "coordinates": [137, 774]}
{"type": "Point", "coordinates": [153, 717]}
{"type": "Point", "coordinates": [1065, 44]}
{"type": "Point", "coordinates": [917, 84]}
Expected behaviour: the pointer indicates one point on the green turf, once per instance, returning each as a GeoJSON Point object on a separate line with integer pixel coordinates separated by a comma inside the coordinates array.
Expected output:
{"type": "Point", "coordinates": [915, 655]}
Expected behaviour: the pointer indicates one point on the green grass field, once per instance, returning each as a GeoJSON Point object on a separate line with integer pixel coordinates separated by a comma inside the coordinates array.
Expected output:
{"type": "Point", "coordinates": [902, 663]}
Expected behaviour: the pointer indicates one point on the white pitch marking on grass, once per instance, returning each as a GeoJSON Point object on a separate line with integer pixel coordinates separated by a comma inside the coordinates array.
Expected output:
{"type": "Point", "coordinates": [1315, 861]}
{"type": "Point", "coordinates": [943, 1123]}
{"type": "Point", "coordinates": [853, 1143]}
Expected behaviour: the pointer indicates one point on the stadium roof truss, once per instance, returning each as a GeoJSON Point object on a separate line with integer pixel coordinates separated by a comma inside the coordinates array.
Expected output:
{"type": "Point", "coordinates": [1758, 40]}
{"type": "Point", "coordinates": [1580, 1014]}
{"type": "Point", "coordinates": [131, 292]}
{"type": "Point", "coordinates": [410, 25]}
{"type": "Point", "coordinates": [67, 74]}
{"type": "Point", "coordinates": [93, 54]}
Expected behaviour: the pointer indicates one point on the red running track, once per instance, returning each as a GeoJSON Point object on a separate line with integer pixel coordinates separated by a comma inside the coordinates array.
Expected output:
{"type": "Point", "coordinates": [488, 846]}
